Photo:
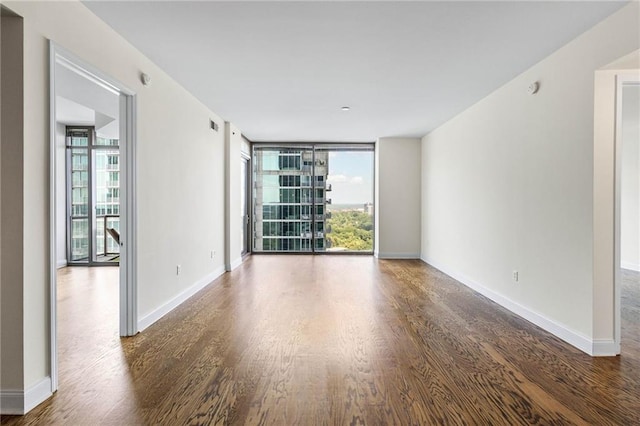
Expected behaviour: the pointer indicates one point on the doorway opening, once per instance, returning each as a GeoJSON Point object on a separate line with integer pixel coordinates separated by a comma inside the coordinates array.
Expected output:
{"type": "Point", "coordinates": [313, 198]}
{"type": "Point", "coordinates": [627, 229]}
{"type": "Point", "coordinates": [92, 202]}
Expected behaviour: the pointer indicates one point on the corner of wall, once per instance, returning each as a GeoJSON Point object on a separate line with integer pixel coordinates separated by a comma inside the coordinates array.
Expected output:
{"type": "Point", "coordinates": [19, 402]}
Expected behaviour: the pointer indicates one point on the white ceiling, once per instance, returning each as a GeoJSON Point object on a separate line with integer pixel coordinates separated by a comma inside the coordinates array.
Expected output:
{"type": "Point", "coordinates": [281, 70]}
{"type": "Point", "coordinates": [80, 101]}
{"type": "Point", "coordinates": [72, 113]}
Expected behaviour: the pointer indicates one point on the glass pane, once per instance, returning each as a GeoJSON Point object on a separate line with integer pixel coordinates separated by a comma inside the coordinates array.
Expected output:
{"type": "Point", "coordinates": [347, 220]}
{"type": "Point", "coordinates": [79, 239]}
{"type": "Point", "coordinates": [113, 246]}
{"type": "Point", "coordinates": [106, 142]}
{"type": "Point", "coordinates": [280, 221]}
{"type": "Point", "coordinates": [316, 195]}
{"type": "Point", "coordinates": [107, 201]}
{"type": "Point", "coordinates": [78, 139]}
{"type": "Point", "coordinates": [100, 236]}
{"type": "Point", "coordinates": [79, 190]}
{"type": "Point", "coordinates": [79, 160]}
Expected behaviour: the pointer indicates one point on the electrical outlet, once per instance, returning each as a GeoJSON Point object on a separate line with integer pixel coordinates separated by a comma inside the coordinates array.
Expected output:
{"type": "Point", "coordinates": [515, 276]}
{"type": "Point", "coordinates": [213, 254]}
{"type": "Point", "coordinates": [178, 269]}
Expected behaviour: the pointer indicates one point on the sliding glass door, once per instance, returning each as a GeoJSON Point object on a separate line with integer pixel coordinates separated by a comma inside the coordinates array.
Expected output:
{"type": "Point", "coordinates": [93, 198]}
{"type": "Point", "coordinates": [292, 204]}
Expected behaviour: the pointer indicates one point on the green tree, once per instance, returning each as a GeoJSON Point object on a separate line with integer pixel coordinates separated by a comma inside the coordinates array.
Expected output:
{"type": "Point", "coordinates": [350, 230]}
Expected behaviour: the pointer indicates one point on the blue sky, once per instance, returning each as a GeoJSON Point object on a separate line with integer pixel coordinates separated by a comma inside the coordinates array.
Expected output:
{"type": "Point", "coordinates": [351, 177]}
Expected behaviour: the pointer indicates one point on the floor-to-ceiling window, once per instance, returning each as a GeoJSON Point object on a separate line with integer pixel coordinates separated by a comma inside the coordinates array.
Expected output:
{"type": "Point", "coordinates": [313, 198]}
{"type": "Point", "coordinates": [93, 197]}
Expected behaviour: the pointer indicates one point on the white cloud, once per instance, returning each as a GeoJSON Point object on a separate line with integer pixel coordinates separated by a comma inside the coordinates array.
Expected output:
{"type": "Point", "coordinates": [355, 180]}
{"type": "Point", "coordinates": [337, 178]}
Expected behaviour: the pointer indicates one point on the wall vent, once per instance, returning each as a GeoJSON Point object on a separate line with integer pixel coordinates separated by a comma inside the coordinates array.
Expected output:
{"type": "Point", "coordinates": [214, 126]}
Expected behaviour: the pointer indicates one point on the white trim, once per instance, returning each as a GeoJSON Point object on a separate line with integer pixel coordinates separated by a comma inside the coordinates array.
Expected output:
{"type": "Point", "coordinates": [71, 65]}
{"type": "Point", "coordinates": [11, 402]}
{"type": "Point", "coordinates": [605, 348]}
{"type": "Point", "coordinates": [61, 263]}
{"type": "Point", "coordinates": [53, 250]}
{"type": "Point", "coordinates": [559, 330]}
{"type": "Point", "coordinates": [622, 79]}
{"type": "Point", "coordinates": [234, 264]}
{"type": "Point", "coordinates": [66, 57]}
{"type": "Point", "coordinates": [630, 266]}
{"type": "Point", "coordinates": [396, 255]}
{"type": "Point", "coordinates": [19, 402]}
{"type": "Point", "coordinates": [128, 221]}
{"type": "Point", "coordinates": [180, 298]}
{"type": "Point", "coordinates": [37, 394]}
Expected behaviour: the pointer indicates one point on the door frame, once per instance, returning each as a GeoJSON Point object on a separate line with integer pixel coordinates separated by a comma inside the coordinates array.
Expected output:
{"type": "Point", "coordinates": [622, 79]}
{"type": "Point", "coordinates": [128, 244]}
{"type": "Point", "coordinates": [247, 194]}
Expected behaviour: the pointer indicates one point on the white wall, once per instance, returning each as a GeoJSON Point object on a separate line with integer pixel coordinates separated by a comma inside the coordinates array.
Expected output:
{"type": "Point", "coordinates": [180, 176]}
{"type": "Point", "coordinates": [507, 186]}
{"type": "Point", "coordinates": [630, 180]}
{"type": "Point", "coordinates": [12, 169]}
{"type": "Point", "coordinates": [397, 201]}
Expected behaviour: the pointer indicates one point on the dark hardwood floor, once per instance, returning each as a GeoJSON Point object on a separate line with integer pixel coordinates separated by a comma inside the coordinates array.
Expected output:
{"type": "Point", "coordinates": [330, 340]}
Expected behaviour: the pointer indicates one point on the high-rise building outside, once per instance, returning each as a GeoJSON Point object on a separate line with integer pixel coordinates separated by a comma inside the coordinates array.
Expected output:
{"type": "Point", "coordinates": [290, 187]}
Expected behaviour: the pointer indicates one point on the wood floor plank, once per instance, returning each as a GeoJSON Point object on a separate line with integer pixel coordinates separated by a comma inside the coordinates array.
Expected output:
{"type": "Point", "coordinates": [330, 340]}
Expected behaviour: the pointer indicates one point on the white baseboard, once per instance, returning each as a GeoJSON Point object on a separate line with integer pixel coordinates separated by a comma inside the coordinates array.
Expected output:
{"type": "Point", "coordinates": [395, 255]}
{"type": "Point", "coordinates": [234, 264]}
{"type": "Point", "coordinates": [11, 402]}
{"type": "Point", "coordinates": [630, 266]}
{"type": "Point", "coordinates": [605, 348]}
{"type": "Point", "coordinates": [18, 402]}
{"type": "Point", "coordinates": [572, 337]}
{"type": "Point", "coordinates": [158, 313]}
{"type": "Point", "coordinates": [37, 394]}
{"type": "Point", "coordinates": [61, 263]}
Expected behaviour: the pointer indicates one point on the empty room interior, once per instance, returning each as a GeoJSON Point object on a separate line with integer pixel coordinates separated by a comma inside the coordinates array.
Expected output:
{"type": "Point", "coordinates": [319, 212]}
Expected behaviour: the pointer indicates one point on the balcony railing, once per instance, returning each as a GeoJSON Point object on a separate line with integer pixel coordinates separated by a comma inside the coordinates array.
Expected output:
{"type": "Point", "coordinates": [110, 232]}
